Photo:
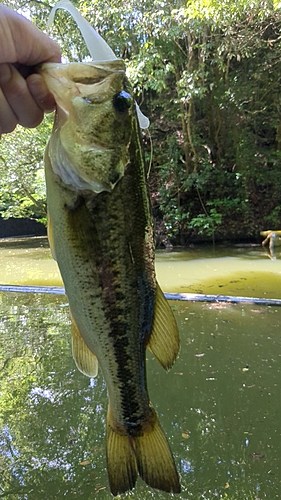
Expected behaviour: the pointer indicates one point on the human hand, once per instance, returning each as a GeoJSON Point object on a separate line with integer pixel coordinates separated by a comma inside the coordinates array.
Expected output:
{"type": "Point", "coordinates": [24, 96]}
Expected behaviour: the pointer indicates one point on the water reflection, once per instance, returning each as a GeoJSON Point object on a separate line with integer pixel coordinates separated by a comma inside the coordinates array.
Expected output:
{"type": "Point", "coordinates": [219, 405]}
{"type": "Point", "coordinates": [271, 243]}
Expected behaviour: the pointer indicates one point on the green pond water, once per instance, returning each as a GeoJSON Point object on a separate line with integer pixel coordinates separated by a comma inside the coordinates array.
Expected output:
{"type": "Point", "coordinates": [246, 271]}
{"type": "Point", "coordinates": [219, 405]}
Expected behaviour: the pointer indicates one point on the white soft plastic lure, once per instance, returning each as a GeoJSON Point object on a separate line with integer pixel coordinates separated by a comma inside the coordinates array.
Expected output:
{"type": "Point", "coordinates": [97, 46]}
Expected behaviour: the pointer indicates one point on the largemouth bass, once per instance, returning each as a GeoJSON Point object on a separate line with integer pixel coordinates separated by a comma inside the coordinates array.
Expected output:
{"type": "Point", "coordinates": [101, 234]}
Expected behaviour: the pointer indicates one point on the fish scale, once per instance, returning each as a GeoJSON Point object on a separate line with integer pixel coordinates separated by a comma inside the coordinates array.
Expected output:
{"type": "Point", "coordinates": [104, 246]}
{"type": "Point", "coordinates": [121, 277]}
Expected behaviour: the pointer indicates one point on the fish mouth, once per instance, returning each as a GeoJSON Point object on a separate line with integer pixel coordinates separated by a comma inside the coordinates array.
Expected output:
{"type": "Point", "coordinates": [93, 123]}
{"type": "Point", "coordinates": [90, 81]}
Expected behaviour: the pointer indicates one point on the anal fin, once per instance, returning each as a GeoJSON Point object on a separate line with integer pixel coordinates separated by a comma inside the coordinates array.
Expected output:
{"type": "Point", "coordinates": [84, 358]}
{"type": "Point", "coordinates": [164, 341]}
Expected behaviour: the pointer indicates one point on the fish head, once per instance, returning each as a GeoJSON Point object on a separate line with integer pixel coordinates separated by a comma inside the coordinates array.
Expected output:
{"type": "Point", "coordinates": [93, 124]}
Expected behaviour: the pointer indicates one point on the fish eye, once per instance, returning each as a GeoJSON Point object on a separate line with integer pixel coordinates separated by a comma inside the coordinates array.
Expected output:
{"type": "Point", "coordinates": [122, 101]}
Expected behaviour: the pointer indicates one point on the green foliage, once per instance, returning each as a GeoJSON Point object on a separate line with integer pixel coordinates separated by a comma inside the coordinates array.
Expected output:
{"type": "Point", "coordinates": [207, 73]}
{"type": "Point", "coordinates": [227, 128]}
{"type": "Point", "coordinates": [206, 223]}
{"type": "Point", "coordinates": [22, 181]}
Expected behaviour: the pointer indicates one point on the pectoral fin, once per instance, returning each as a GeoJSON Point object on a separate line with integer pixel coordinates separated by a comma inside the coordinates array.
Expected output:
{"type": "Point", "coordinates": [164, 341]}
{"type": "Point", "coordinates": [85, 359]}
{"type": "Point", "coordinates": [51, 237]}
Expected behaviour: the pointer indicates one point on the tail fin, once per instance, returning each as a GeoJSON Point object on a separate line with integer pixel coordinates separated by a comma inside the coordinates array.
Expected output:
{"type": "Point", "coordinates": [155, 461]}
{"type": "Point", "coordinates": [148, 454]}
{"type": "Point", "coordinates": [121, 461]}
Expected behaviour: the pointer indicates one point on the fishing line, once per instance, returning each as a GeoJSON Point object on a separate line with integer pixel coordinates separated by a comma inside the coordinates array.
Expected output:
{"type": "Point", "coordinates": [97, 46]}
{"type": "Point", "coordinates": [151, 153]}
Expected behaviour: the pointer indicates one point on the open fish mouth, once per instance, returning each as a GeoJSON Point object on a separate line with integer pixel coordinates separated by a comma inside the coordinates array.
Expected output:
{"type": "Point", "coordinates": [93, 122]}
{"type": "Point", "coordinates": [75, 84]}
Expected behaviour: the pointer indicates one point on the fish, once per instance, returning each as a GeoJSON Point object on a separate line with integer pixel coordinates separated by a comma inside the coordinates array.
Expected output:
{"type": "Point", "coordinates": [100, 230]}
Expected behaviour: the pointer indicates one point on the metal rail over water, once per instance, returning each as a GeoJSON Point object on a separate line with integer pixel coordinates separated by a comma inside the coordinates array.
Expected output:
{"type": "Point", "coordinates": [190, 297]}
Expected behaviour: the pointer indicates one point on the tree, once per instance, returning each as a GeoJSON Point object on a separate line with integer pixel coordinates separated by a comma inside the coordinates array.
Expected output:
{"type": "Point", "coordinates": [207, 74]}
{"type": "Point", "coordinates": [22, 180]}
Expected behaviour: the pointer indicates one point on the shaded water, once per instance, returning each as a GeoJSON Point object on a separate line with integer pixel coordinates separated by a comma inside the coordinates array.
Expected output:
{"type": "Point", "coordinates": [219, 405]}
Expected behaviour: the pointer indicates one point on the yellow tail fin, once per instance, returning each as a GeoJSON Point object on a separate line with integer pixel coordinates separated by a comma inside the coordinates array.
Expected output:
{"type": "Point", "coordinates": [121, 461]}
{"type": "Point", "coordinates": [148, 454]}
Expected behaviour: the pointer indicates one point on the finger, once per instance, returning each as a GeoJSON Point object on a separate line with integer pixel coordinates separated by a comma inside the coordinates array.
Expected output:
{"type": "Point", "coordinates": [18, 96]}
{"type": "Point", "coordinates": [40, 93]}
{"type": "Point", "coordinates": [8, 119]}
{"type": "Point", "coordinates": [23, 42]}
